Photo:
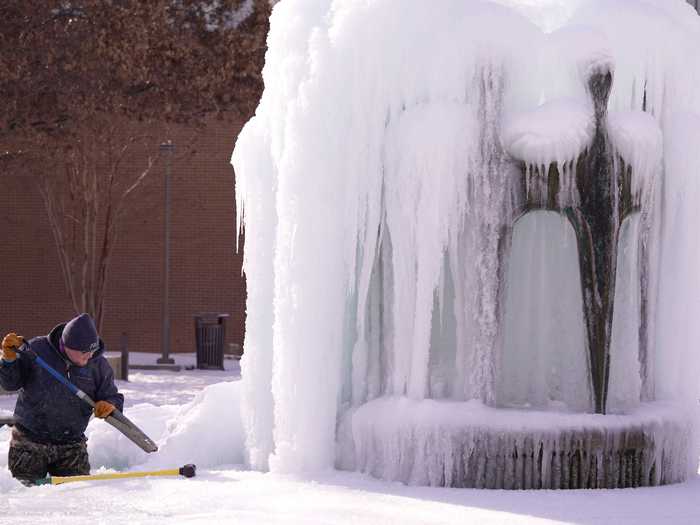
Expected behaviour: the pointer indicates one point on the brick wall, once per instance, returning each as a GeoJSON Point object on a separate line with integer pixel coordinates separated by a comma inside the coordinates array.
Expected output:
{"type": "Point", "coordinates": [205, 268]}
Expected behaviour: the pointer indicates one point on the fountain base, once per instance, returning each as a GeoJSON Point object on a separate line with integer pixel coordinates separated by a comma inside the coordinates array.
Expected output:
{"type": "Point", "coordinates": [466, 444]}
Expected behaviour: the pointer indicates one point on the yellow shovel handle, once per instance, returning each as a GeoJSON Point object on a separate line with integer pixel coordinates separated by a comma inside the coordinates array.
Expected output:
{"type": "Point", "coordinates": [57, 480]}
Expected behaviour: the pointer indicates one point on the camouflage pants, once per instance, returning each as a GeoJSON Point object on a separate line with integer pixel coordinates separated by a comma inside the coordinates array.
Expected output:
{"type": "Point", "coordinates": [29, 461]}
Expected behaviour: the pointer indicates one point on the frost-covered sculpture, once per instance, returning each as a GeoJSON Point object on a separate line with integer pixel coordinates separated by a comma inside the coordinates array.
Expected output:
{"type": "Point", "coordinates": [469, 243]}
{"type": "Point", "coordinates": [597, 192]}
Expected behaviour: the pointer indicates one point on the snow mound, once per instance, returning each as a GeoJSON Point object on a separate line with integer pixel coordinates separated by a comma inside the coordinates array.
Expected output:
{"type": "Point", "coordinates": [207, 432]}
{"type": "Point", "coordinates": [110, 449]}
{"type": "Point", "coordinates": [7, 482]}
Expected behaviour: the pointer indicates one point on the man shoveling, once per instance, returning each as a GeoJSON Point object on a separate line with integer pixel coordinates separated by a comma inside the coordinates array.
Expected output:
{"type": "Point", "coordinates": [50, 421]}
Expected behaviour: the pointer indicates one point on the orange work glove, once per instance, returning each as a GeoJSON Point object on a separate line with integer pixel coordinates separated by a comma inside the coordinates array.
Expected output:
{"type": "Point", "coordinates": [11, 342]}
{"type": "Point", "coordinates": [103, 409]}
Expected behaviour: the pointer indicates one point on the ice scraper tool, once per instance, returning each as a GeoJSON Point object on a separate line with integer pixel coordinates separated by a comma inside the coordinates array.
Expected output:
{"type": "Point", "coordinates": [188, 471]}
{"type": "Point", "coordinates": [116, 418]}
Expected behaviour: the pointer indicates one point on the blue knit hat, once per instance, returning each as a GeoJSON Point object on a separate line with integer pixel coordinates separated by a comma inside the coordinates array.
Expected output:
{"type": "Point", "coordinates": [80, 334]}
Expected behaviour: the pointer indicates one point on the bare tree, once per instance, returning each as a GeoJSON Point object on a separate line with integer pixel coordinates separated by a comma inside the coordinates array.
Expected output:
{"type": "Point", "coordinates": [84, 200]}
{"type": "Point", "coordinates": [87, 82]}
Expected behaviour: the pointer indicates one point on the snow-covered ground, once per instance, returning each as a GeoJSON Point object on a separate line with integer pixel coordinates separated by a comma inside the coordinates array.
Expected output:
{"type": "Point", "coordinates": [189, 421]}
{"type": "Point", "coordinates": [234, 496]}
{"type": "Point", "coordinates": [160, 387]}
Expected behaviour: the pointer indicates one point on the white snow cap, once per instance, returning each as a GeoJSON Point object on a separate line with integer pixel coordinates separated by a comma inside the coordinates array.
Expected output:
{"type": "Point", "coordinates": [557, 131]}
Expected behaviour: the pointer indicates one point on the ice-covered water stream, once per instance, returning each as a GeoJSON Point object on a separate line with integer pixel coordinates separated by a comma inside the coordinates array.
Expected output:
{"type": "Point", "coordinates": [417, 188]}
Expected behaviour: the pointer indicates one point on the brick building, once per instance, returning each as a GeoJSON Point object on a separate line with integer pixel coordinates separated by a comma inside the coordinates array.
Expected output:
{"type": "Point", "coordinates": [205, 265]}
{"type": "Point", "coordinates": [205, 268]}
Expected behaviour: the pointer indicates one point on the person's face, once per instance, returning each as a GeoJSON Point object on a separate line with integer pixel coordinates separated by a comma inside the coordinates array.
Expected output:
{"type": "Point", "coordinates": [78, 358]}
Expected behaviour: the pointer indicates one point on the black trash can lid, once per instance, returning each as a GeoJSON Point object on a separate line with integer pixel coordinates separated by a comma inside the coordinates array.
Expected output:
{"type": "Point", "coordinates": [209, 315]}
{"type": "Point", "coordinates": [208, 318]}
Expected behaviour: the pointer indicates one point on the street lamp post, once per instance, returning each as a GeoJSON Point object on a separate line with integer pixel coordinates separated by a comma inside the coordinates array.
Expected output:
{"type": "Point", "coordinates": [167, 148]}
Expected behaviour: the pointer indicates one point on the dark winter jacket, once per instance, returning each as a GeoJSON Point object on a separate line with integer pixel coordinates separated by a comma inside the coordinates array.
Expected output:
{"type": "Point", "coordinates": [46, 410]}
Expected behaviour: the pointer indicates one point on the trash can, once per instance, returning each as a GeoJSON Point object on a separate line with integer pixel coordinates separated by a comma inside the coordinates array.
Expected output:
{"type": "Point", "coordinates": [210, 334]}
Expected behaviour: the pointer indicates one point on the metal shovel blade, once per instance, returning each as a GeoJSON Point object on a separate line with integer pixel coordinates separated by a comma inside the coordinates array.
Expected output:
{"type": "Point", "coordinates": [131, 431]}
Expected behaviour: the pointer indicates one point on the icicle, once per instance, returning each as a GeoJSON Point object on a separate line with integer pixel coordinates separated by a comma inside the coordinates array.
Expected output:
{"type": "Point", "coordinates": [364, 171]}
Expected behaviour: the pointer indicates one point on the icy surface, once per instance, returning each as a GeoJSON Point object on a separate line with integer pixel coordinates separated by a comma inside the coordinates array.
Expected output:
{"type": "Point", "coordinates": [340, 498]}
{"type": "Point", "coordinates": [625, 390]}
{"type": "Point", "coordinates": [377, 178]}
{"type": "Point", "coordinates": [229, 494]}
{"type": "Point", "coordinates": [544, 359]}
{"type": "Point", "coordinates": [678, 367]}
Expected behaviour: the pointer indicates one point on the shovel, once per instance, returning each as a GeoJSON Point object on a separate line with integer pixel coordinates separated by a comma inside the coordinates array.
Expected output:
{"type": "Point", "coordinates": [116, 418]}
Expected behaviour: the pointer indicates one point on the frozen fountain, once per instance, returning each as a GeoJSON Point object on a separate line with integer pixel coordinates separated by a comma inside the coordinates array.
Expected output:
{"type": "Point", "coordinates": [468, 249]}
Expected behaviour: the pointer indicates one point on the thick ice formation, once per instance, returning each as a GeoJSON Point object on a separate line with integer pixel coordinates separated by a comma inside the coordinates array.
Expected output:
{"type": "Point", "coordinates": [466, 444]}
{"type": "Point", "coordinates": [637, 138]}
{"type": "Point", "coordinates": [377, 177]}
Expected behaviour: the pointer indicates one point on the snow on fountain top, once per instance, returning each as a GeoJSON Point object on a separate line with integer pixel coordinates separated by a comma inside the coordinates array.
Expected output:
{"type": "Point", "coordinates": [557, 131]}
{"type": "Point", "coordinates": [386, 414]}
